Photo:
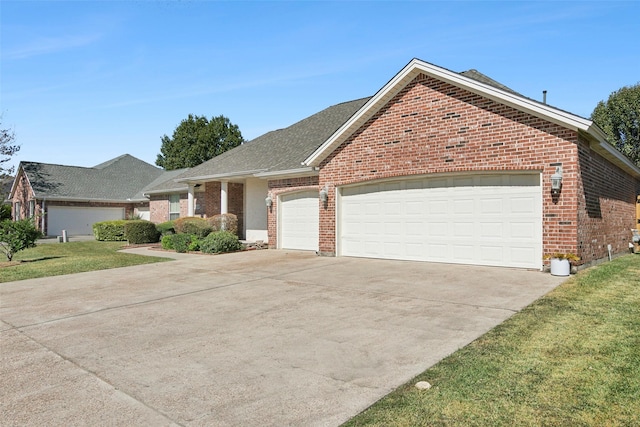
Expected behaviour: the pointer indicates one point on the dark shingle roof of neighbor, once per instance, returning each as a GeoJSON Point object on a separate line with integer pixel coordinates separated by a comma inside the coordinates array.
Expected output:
{"type": "Point", "coordinates": [118, 179]}
{"type": "Point", "coordinates": [5, 187]}
{"type": "Point", "coordinates": [282, 149]}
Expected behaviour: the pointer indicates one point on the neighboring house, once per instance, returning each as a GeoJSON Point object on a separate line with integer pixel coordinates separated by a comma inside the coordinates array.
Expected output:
{"type": "Point", "coordinates": [73, 198]}
{"type": "Point", "coordinates": [436, 166]}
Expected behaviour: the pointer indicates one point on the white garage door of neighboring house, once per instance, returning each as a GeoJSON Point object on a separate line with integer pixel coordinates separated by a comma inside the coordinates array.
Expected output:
{"type": "Point", "coordinates": [144, 213]}
{"type": "Point", "coordinates": [299, 220]}
{"type": "Point", "coordinates": [78, 221]}
{"type": "Point", "coordinates": [473, 219]}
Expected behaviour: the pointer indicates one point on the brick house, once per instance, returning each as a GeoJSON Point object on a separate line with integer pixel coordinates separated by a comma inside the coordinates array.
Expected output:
{"type": "Point", "coordinates": [73, 198]}
{"type": "Point", "coordinates": [436, 166]}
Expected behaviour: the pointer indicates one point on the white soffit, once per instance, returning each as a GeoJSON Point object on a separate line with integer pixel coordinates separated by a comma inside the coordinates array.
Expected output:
{"type": "Point", "coordinates": [415, 67]}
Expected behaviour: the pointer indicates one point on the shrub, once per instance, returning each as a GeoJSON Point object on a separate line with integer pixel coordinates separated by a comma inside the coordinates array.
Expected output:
{"type": "Point", "coordinates": [194, 245]}
{"type": "Point", "coordinates": [219, 242]}
{"type": "Point", "coordinates": [141, 231]}
{"type": "Point", "coordinates": [224, 222]}
{"type": "Point", "coordinates": [110, 231]}
{"type": "Point", "coordinates": [17, 235]}
{"type": "Point", "coordinates": [166, 228]}
{"type": "Point", "coordinates": [193, 225]}
{"type": "Point", "coordinates": [167, 242]}
{"type": "Point", "coordinates": [181, 242]}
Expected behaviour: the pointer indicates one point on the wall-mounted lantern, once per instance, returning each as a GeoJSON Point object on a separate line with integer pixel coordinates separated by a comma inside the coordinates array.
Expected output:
{"type": "Point", "coordinates": [268, 201]}
{"type": "Point", "coordinates": [324, 195]}
{"type": "Point", "coordinates": [556, 181]}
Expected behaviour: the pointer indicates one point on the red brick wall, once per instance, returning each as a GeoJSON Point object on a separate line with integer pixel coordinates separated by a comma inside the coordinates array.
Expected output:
{"type": "Point", "coordinates": [433, 127]}
{"type": "Point", "coordinates": [282, 186]}
{"type": "Point", "coordinates": [159, 208]}
{"type": "Point", "coordinates": [606, 200]}
{"type": "Point", "coordinates": [23, 194]}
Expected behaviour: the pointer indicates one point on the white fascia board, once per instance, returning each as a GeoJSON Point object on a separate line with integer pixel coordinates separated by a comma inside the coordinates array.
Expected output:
{"type": "Point", "coordinates": [290, 173]}
{"type": "Point", "coordinates": [415, 67]}
{"type": "Point", "coordinates": [217, 177]}
{"type": "Point", "coordinates": [87, 199]}
{"type": "Point", "coordinates": [167, 191]}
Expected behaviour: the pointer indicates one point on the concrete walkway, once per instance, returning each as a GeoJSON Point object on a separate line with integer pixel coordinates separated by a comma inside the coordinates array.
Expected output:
{"type": "Point", "coordinates": [267, 337]}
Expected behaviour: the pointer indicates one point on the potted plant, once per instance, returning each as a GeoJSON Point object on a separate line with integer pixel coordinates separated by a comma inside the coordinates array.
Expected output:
{"type": "Point", "coordinates": [561, 263]}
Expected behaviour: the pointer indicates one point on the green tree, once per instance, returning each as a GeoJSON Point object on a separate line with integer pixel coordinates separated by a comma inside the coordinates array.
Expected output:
{"type": "Point", "coordinates": [619, 118]}
{"type": "Point", "coordinates": [5, 211]}
{"type": "Point", "coordinates": [196, 140]}
{"type": "Point", "coordinates": [17, 235]}
{"type": "Point", "coordinates": [7, 149]}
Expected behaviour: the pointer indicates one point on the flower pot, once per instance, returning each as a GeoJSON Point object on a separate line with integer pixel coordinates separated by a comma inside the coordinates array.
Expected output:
{"type": "Point", "coordinates": [560, 267]}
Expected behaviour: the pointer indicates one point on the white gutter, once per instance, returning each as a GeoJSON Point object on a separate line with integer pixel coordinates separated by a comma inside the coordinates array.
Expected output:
{"type": "Point", "coordinates": [86, 199]}
{"type": "Point", "coordinates": [307, 171]}
{"type": "Point", "coordinates": [167, 191]}
{"type": "Point", "coordinates": [243, 174]}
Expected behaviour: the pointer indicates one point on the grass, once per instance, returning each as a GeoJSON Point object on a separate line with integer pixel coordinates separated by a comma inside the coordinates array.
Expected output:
{"type": "Point", "coordinates": [54, 259]}
{"type": "Point", "coordinates": [571, 358]}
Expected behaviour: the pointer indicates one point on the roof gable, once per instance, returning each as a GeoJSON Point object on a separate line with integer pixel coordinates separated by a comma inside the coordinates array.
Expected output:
{"type": "Point", "coordinates": [472, 81]}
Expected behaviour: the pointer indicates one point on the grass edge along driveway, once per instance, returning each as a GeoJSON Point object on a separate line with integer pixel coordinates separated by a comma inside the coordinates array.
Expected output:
{"type": "Point", "coordinates": [570, 358]}
{"type": "Point", "coordinates": [54, 259]}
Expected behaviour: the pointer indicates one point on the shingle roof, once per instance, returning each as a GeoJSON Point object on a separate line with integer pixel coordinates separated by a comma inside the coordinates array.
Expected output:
{"type": "Point", "coordinates": [282, 149]}
{"type": "Point", "coordinates": [121, 178]}
{"type": "Point", "coordinates": [165, 183]}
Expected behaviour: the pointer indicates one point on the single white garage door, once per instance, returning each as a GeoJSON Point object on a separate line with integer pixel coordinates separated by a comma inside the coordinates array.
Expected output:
{"type": "Point", "coordinates": [299, 220]}
{"type": "Point", "coordinates": [78, 221]}
{"type": "Point", "coordinates": [474, 219]}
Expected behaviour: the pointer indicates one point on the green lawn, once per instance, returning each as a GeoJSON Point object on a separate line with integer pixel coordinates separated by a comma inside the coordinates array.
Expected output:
{"type": "Point", "coordinates": [570, 359]}
{"type": "Point", "coordinates": [54, 259]}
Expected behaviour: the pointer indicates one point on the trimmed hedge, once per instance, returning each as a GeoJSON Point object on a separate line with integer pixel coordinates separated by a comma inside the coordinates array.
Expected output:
{"type": "Point", "coordinates": [224, 222]}
{"type": "Point", "coordinates": [193, 225]}
{"type": "Point", "coordinates": [141, 231]}
{"type": "Point", "coordinates": [181, 242]}
{"type": "Point", "coordinates": [110, 231]}
{"type": "Point", "coordinates": [219, 242]}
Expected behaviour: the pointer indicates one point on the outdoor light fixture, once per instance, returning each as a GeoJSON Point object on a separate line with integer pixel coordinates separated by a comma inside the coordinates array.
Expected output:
{"type": "Point", "coordinates": [556, 180]}
{"type": "Point", "coordinates": [324, 194]}
{"type": "Point", "coordinates": [268, 201]}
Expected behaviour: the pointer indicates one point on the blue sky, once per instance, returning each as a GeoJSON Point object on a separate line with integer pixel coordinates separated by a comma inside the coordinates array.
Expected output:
{"type": "Point", "coordinates": [82, 82]}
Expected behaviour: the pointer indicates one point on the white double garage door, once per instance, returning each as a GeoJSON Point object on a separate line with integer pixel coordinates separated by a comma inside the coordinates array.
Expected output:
{"type": "Point", "coordinates": [78, 220]}
{"type": "Point", "coordinates": [473, 219]}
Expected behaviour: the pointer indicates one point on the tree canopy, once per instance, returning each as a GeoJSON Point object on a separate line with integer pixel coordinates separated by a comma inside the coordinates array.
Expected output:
{"type": "Point", "coordinates": [619, 118]}
{"type": "Point", "coordinates": [196, 140]}
{"type": "Point", "coordinates": [7, 149]}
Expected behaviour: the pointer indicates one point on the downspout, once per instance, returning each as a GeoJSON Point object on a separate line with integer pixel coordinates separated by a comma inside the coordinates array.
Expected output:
{"type": "Point", "coordinates": [42, 209]}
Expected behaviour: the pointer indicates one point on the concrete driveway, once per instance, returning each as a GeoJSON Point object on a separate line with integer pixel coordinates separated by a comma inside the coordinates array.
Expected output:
{"type": "Point", "coordinates": [255, 338]}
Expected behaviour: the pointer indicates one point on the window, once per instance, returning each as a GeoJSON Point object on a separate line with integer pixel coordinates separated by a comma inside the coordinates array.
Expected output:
{"type": "Point", "coordinates": [16, 211]}
{"type": "Point", "coordinates": [174, 206]}
{"type": "Point", "coordinates": [32, 208]}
